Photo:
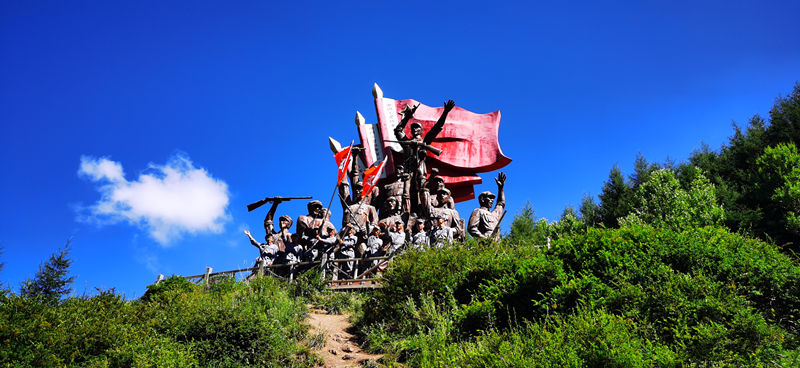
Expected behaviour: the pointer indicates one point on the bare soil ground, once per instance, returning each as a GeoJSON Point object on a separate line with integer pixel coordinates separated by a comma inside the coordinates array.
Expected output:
{"type": "Point", "coordinates": [341, 348]}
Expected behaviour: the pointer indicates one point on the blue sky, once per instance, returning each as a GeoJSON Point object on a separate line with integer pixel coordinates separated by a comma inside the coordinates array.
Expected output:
{"type": "Point", "coordinates": [222, 104]}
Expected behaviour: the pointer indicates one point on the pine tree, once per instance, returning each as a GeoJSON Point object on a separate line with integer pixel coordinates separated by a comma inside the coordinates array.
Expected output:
{"type": "Point", "coordinates": [523, 228]}
{"type": "Point", "coordinates": [590, 211]}
{"type": "Point", "coordinates": [51, 281]}
{"type": "Point", "coordinates": [641, 171]}
{"type": "Point", "coordinates": [2, 264]}
{"type": "Point", "coordinates": [616, 200]}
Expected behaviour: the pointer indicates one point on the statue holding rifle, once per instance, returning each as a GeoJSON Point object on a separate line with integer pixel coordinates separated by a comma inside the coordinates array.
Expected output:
{"type": "Point", "coordinates": [283, 235]}
{"type": "Point", "coordinates": [416, 147]}
{"type": "Point", "coordinates": [484, 221]}
{"type": "Point", "coordinates": [357, 212]}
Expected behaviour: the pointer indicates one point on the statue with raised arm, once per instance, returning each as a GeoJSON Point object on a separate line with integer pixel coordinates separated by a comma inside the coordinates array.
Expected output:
{"type": "Point", "coordinates": [358, 213]}
{"type": "Point", "coordinates": [267, 252]}
{"type": "Point", "coordinates": [282, 235]}
{"type": "Point", "coordinates": [484, 221]}
{"type": "Point", "coordinates": [416, 147]}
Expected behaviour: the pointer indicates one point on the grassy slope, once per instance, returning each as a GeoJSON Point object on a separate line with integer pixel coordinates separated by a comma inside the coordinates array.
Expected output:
{"type": "Point", "coordinates": [176, 324]}
{"type": "Point", "coordinates": [626, 297]}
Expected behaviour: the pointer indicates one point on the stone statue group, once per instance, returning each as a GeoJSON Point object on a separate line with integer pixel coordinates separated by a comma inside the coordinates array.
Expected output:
{"type": "Point", "coordinates": [415, 210]}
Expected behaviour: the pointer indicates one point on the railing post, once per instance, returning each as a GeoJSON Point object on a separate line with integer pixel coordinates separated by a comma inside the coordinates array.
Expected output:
{"type": "Point", "coordinates": [323, 263]}
{"type": "Point", "coordinates": [291, 272]}
{"type": "Point", "coordinates": [208, 274]}
{"type": "Point", "coordinates": [160, 278]}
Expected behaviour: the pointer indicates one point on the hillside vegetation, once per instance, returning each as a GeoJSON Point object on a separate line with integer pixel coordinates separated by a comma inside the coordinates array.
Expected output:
{"type": "Point", "coordinates": [677, 265]}
{"type": "Point", "coordinates": [688, 264]}
{"type": "Point", "coordinates": [175, 324]}
{"type": "Point", "coordinates": [635, 296]}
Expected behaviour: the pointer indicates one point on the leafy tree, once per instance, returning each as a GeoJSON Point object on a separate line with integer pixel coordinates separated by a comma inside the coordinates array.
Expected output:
{"type": "Point", "coordinates": [779, 175]}
{"type": "Point", "coordinates": [663, 203]}
{"type": "Point", "coordinates": [51, 281]}
{"type": "Point", "coordinates": [703, 207]}
{"type": "Point", "coordinates": [569, 224]}
{"type": "Point", "coordinates": [616, 200]}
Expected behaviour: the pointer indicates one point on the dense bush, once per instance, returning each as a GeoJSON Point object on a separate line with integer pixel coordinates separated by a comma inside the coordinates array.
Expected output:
{"type": "Point", "coordinates": [636, 296]}
{"type": "Point", "coordinates": [230, 324]}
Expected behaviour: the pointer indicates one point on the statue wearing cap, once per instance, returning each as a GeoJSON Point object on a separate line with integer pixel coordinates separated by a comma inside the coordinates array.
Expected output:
{"type": "Point", "coordinates": [419, 236]}
{"type": "Point", "coordinates": [416, 147]}
{"type": "Point", "coordinates": [484, 221]}
{"type": "Point", "coordinates": [282, 235]}
{"type": "Point", "coordinates": [436, 183]}
{"type": "Point", "coordinates": [317, 218]}
{"type": "Point", "coordinates": [358, 213]}
{"type": "Point", "coordinates": [436, 207]}
{"type": "Point", "coordinates": [393, 213]}
{"type": "Point", "coordinates": [399, 189]}
{"type": "Point", "coordinates": [397, 237]}
{"type": "Point", "coordinates": [441, 233]}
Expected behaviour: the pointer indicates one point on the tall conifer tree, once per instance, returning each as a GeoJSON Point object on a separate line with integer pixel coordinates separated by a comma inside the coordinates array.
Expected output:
{"type": "Point", "coordinates": [51, 281]}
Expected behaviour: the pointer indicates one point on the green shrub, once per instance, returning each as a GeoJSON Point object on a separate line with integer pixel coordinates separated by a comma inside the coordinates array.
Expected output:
{"type": "Point", "coordinates": [178, 324]}
{"type": "Point", "coordinates": [170, 283]}
{"type": "Point", "coordinates": [701, 296]}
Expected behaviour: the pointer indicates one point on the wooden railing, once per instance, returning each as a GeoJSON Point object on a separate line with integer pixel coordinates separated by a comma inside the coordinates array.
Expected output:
{"type": "Point", "coordinates": [359, 281]}
{"type": "Point", "coordinates": [362, 280]}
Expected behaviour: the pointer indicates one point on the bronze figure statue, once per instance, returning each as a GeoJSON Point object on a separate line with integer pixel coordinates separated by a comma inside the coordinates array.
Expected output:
{"type": "Point", "coordinates": [358, 213]}
{"type": "Point", "coordinates": [483, 222]}
{"type": "Point", "coordinates": [416, 147]}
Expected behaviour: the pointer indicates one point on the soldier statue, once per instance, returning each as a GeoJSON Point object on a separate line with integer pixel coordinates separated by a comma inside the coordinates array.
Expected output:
{"type": "Point", "coordinates": [266, 251]}
{"type": "Point", "coordinates": [435, 184]}
{"type": "Point", "coordinates": [437, 208]}
{"type": "Point", "coordinates": [395, 238]}
{"type": "Point", "coordinates": [416, 147]}
{"type": "Point", "coordinates": [317, 218]}
{"type": "Point", "coordinates": [357, 212]}
{"type": "Point", "coordinates": [399, 189]}
{"type": "Point", "coordinates": [393, 213]}
{"type": "Point", "coordinates": [283, 235]}
{"type": "Point", "coordinates": [483, 222]}
{"type": "Point", "coordinates": [420, 238]}
{"type": "Point", "coordinates": [441, 233]}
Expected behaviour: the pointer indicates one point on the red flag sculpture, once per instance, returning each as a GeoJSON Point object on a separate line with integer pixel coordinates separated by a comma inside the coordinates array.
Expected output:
{"type": "Point", "coordinates": [343, 158]}
{"type": "Point", "coordinates": [371, 177]}
{"type": "Point", "coordinates": [469, 142]}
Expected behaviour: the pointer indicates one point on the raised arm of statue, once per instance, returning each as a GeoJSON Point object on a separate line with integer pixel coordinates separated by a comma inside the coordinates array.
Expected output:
{"type": "Point", "coordinates": [372, 215]}
{"type": "Point", "coordinates": [408, 114]}
{"type": "Point", "coordinates": [344, 194]}
{"type": "Point", "coordinates": [252, 241]}
{"type": "Point", "coordinates": [268, 220]}
{"type": "Point", "coordinates": [429, 137]}
{"type": "Point", "coordinates": [501, 194]}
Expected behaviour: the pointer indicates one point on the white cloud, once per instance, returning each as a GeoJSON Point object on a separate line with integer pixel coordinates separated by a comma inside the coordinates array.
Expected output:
{"type": "Point", "coordinates": [167, 200]}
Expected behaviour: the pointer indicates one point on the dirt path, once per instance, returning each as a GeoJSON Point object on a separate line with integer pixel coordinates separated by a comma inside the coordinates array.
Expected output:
{"type": "Point", "coordinates": [341, 348]}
